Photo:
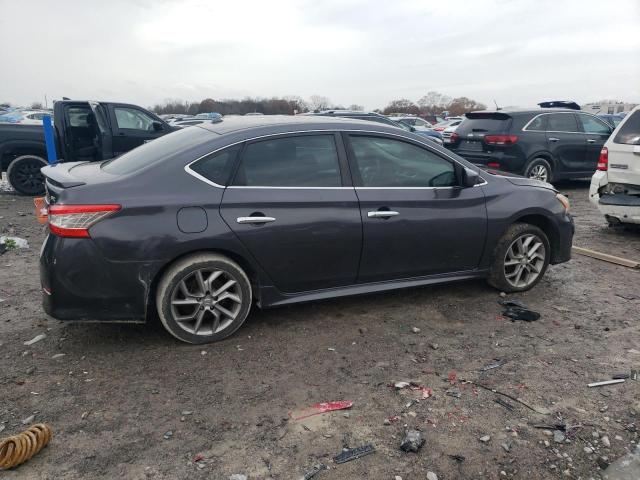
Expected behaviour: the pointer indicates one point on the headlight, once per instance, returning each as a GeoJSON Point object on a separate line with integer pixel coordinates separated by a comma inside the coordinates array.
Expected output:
{"type": "Point", "coordinates": [564, 201]}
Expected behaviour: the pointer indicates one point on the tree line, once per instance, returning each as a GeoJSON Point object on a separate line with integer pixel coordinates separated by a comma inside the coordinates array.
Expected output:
{"type": "Point", "coordinates": [433, 103]}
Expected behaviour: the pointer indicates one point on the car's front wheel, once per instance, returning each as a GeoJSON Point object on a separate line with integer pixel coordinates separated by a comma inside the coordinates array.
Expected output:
{"type": "Point", "coordinates": [203, 298]}
{"type": "Point", "coordinates": [520, 258]}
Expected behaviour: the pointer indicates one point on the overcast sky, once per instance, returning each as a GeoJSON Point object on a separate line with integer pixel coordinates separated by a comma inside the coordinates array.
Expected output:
{"type": "Point", "coordinates": [366, 52]}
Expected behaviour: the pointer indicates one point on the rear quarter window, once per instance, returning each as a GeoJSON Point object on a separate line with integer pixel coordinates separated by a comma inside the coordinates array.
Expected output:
{"type": "Point", "coordinates": [156, 151]}
{"type": "Point", "coordinates": [629, 133]}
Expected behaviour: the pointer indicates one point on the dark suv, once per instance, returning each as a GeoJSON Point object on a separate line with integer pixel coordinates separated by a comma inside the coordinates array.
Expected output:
{"type": "Point", "coordinates": [546, 144]}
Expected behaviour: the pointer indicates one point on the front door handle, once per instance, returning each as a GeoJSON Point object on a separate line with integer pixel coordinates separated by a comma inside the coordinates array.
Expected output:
{"type": "Point", "coordinates": [590, 140]}
{"type": "Point", "coordinates": [255, 219]}
{"type": "Point", "coordinates": [554, 139]}
{"type": "Point", "coordinates": [382, 214]}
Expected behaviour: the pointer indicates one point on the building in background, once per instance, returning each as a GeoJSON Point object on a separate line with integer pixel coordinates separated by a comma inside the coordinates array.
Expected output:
{"type": "Point", "coordinates": [610, 107]}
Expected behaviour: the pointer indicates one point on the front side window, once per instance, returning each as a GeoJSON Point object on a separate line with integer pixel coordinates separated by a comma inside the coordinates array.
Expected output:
{"type": "Point", "coordinates": [299, 161]}
{"type": "Point", "coordinates": [593, 125]}
{"type": "Point", "coordinates": [133, 119]}
{"type": "Point", "coordinates": [385, 162]}
{"type": "Point", "coordinates": [630, 132]}
{"type": "Point", "coordinates": [562, 122]}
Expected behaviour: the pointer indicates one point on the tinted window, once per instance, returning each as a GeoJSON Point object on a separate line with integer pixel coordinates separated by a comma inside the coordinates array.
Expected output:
{"type": "Point", "coordinates": [561, 122]}
{"type": "Point", "coordinates": [593, 125]}
{"type": "Point", "coordinates": [133, 119]}
{"type": "Point", "coordinates": [630, 131]}
{"type": "Point", "coordinates": [160, 149]}
{"type": "Point", "coordinates": [302, 161]}
{"type": "Point", "coordinates": [488, 124]}
{"type": "Point", "coordinates": [538, 123]}
{"type": "Point", "coordinates": [217, 166]}
{"type": "Point", "coordinates": [78, 116]}
{"type": "Point", "coordinates": [384, 162]}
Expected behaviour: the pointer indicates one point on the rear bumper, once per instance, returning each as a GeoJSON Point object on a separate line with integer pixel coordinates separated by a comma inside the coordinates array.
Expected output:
{"type": "Point", "coordinates": [616, 208]}
{"type": "Point", "coordinates": [508, 162]}
{"type": "Point", "coordinates": [80, 284]}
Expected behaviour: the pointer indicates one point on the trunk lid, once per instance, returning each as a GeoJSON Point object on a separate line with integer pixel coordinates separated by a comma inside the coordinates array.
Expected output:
{"type": "Point", "coordinates": [477, 125]}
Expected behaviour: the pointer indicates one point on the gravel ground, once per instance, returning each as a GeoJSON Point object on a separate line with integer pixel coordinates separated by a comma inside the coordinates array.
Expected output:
{"type": "Point", "coordinates": [118, 389]}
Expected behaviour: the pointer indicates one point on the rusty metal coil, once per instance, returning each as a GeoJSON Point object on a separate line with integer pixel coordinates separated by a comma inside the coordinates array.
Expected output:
{"type": "Point", "coordinates": [20, 448]}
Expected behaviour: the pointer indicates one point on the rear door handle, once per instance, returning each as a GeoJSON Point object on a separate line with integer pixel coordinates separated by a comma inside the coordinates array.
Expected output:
{"type": "Point", "coordinates": [255, 219]}
{"type": "Point", "coordinates": [554, 139]}
{"type": "Point", "coordinates": [590, 140]}
{"type": "Point", "coordinates": [382, 214]}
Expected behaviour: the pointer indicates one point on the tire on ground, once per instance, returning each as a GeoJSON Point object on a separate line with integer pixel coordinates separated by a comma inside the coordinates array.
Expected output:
{"type": "Point", "coordinates": [24, 175]}
{"type": "Point", "coordinates": [182, 268]}
{"type": "Point", "coordinates": [497, 277]}
{"type": "Point", "coordinates": [539, 161]}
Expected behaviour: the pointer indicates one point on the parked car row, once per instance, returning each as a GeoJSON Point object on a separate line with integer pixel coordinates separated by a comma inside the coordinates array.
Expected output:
{"type": "Point", "coordinates": [24, 116]}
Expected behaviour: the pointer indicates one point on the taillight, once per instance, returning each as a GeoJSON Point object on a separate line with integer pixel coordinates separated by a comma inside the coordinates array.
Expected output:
{"type": "Point", "coordinates": [603, 160]}
{"type": "Point", "coordinates": [454, 137]}
{"type": "Point", "coordinates": [495, 165]}
{"type": "Point", "coordinates": [500, 139]}
{"type": "Point", "coordinates": [74, 220]}
{"type": "Point", "coordinates": [438, 129]}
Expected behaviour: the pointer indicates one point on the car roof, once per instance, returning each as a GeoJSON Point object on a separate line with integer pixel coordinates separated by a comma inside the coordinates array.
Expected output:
{"type": "Point", "coordinates": [528, 111]}
{"type": "Point", "coordinates": [293, 123]}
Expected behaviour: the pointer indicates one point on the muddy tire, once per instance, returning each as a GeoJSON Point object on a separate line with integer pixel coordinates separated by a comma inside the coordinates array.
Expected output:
{"type": "Point", "coordinates": [203, 298]}
{"type": "Point", "coordinates": [24, 175]}
{"type": "Point", "coordinates": [520, 258]}
{"type": "Point", "coordinates": [540, 169]}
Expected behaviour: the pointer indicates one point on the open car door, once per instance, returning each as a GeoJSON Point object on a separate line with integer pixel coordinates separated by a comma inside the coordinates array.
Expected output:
{"type": "Point", "coordinates": [104, 135]}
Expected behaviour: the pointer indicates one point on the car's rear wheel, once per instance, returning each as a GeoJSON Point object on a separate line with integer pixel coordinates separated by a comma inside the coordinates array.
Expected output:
{"type": "Point", "coordinates": [540, 169]}
{"type": "Point", "coordinates": [24, 175]}
{"type": "Point", "coordinates": [203, 298]}
{"type": "Point", "coordinates": [520, 259]}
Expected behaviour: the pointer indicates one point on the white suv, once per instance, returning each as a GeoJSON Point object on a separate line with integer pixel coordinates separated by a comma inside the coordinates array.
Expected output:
{"type": "Point", "coordinates": [615, 187]}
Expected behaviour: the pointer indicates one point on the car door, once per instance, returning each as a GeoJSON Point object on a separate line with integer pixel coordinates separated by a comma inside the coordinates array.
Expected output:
{"type": "Point", "coordinates": [565, 142]}
{"type": "Point", "coordinates": [416, 218]}
{"type": "Point", "coordinates": [291, 205]}
{"type": "Point", "coordinates": [104, 142]}
{"type": "Point", "coordinates": [596, 132]}
{"type": "Point", "coordinates": [132, 126]}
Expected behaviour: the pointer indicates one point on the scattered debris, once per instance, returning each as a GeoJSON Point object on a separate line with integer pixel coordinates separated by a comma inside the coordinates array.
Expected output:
{"type": "Point", "coordinates": [619, 376]}
{"type": "Point", "coordinates": [19, 448]}
{"type": "Point", "coordinates": [35, 339]}
{"type": "Point", "coordinates": [516, 310]}
{"type": "Point", "coordinates": [485, 438]}
{"type": "Point", "coordinates": [391, 419]}
{"type": "Point", "coordinates": [497, 364]}
{"type": "Point", "coordinates": [198, 458]}
{"type": "Point", "coordinates": [318, 408]}
{"type": "Point", "coordinates": [415, 329]}
{"type": "Point", "coordinates": [432, 476]}
{"type": "Point", "coordinates": [167, 435]}
{"type": "Point", "coordinates": [606, 382]}
{"type": "Point", "coordinates": [540, 410]}
{"type": "Point", "coordinates": [28, 420]}
{"type": "Point", "coordinates": [401, 385]}
{"type": "Point", "coordinates": [606, 257]}
{"type": "Point", "coordinates": [434, 346]}
{"type": "Point", "coordinates": [58, 355]}
{"type": "Point", "coordinates": [412, 441]}
{"type": "Point", "coordinates": [314, 471]}
{"type": "Point", "coordinates": [354, 453]}
{"type": "Point", "coordinates": [457, 458]}
{"type": "Point", "coordinates": [559, 436]}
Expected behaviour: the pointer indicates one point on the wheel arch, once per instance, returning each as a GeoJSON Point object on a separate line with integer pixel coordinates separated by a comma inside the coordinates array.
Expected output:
{"type": "Point", "coordinates": [547, 226]}
{"type": "Point", "coordinates": [247, 267]}
{"type": "Point", "coordinates": [544, 154]}
{"type": "Point", "coordinates": [11, 150]}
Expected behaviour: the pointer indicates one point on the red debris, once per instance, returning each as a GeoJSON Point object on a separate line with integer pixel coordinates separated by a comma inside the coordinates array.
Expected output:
{"type": "Point", "coordinates": [198, 458]}
{"type": "Point", "coordinates": [453, 377]}
{"type": "Point", "coordinates": [318, 408]}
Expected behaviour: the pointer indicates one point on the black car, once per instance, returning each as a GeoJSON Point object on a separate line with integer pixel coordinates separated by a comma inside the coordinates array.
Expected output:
{"type": "Point", "coordinates": [545, 144]}
{"type": "Point", "coordinates": [201, 224]}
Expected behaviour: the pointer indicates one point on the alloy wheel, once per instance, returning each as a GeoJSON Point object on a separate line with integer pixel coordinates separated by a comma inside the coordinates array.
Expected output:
{"type": "Point", "coordinates": [539, 172]}
{"type": "Point", "coordinates": [524, 260]}
{"type": "Point", "coordinates": [27, 176]}
{"type": "Point", "coordinates": [206, 301]}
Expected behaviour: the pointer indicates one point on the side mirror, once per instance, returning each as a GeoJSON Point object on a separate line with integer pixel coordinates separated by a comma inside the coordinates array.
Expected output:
{"type": "Point", "coordinates": [470, 177]}
{"type": "Point", "coordinates": [157, 126]}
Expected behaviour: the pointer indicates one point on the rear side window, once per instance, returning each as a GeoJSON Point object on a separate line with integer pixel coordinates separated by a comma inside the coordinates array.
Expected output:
{"type": "Point", "coordinates": [593, 125]}
{"type": "Point", "coordinates": [216, 167]}
{"type": "Point", "coordinates": [385, 162]}
{"type": "Point", "coordinates": [537, 124]}
{"type": "Point", "coordinates": [630, 132]}
{"type": "Point", "coordinates": [300, 161]}
{"type": "Point", "coordinates": [562, 122]}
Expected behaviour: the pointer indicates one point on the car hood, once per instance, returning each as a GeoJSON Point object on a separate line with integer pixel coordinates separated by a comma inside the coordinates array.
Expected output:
{"type": "Point", "coordinates": [520, 180]}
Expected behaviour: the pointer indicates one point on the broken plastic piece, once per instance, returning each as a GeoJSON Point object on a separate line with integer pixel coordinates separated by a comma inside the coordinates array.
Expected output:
{"type": "Point", "coordinates": [314, 471]}
{"type": "Point", "coordinates": [412, 441]}
{"type": "Point", "coordinates": [606, 382]}
{"type": "Point", "coordinates": [354, 453]}
{"type": "Point", "coordinates": [516, 310]}
{"type": "Point", "coordinates": [318, 408]}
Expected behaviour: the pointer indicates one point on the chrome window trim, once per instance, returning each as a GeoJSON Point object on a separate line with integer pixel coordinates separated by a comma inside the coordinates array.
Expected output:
{"type": "Point", "coordinates": [525, 129]}
{"type": "Point", "coordinates": [328, 132]}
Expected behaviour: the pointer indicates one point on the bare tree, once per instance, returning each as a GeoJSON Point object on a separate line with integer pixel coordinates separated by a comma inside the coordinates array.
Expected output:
{"type": "Point", "coordinates": [462, 105]}
{"type": "Point", "coordinates": [319, 102]}
{"type": "Point", "coordinates": [356, 107]}
{"type": "Point", "coordinates": [401, 106]}
{"type": "Point", "coordinates": [36, 106]}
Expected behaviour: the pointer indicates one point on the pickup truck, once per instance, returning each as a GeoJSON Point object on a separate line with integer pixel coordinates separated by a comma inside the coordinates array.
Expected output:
{"type": "Point", "coordinates": [83, 131]}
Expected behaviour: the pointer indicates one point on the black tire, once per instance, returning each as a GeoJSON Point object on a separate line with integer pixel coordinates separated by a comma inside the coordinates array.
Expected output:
{"type": "Point", "coordinates": [498, 272]}
{"type": "Point", "coordinates": [186, 269]}
{"type": "Point", "coordinates": [539, 167]}
{"type": "Point", "coordinates": [24, 175]}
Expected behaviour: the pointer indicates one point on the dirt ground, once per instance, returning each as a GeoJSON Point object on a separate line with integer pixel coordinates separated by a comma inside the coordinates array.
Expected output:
{"type": "Point", "coordinates": [118, 389]}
